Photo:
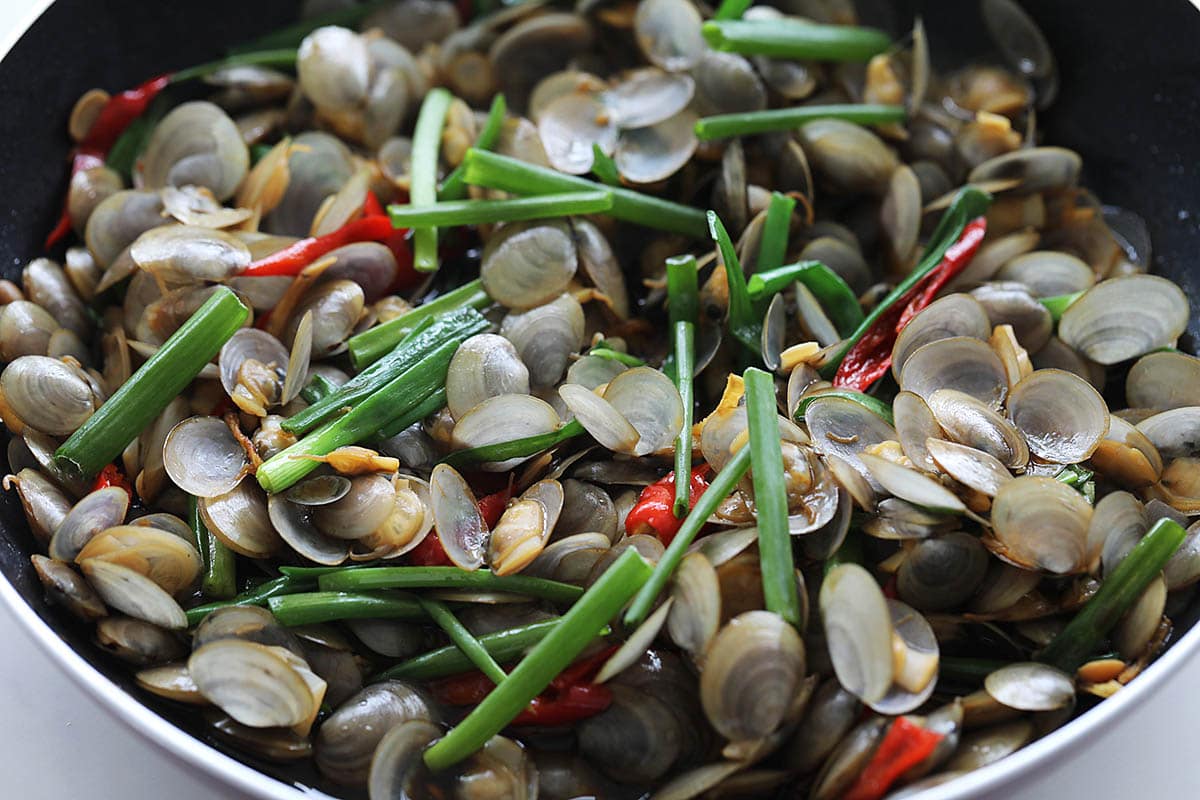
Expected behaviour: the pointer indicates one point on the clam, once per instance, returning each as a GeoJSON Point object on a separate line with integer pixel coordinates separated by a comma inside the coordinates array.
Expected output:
{"type": "Point", "coordinates": [648, 96]}
{"type": "Point", "coordinates": [239, 519]}
{"type": "Point", "coordinates": [973, 468]}
{"type": "Point", "coordinates": [941, 572]}
{"type": "Point", "coordinates": [635, 740]}
{"type": "Point", "coordinates": [333, 67]}
{"type": "Point", "coordinates": [245, 623]}
{"type": "Point", "coordinates": [133, 593]}
{"type": "Point", "coordinates": [858, 630]}
{"type": "Point", "coordinates": [599, 418]}
{"type": "Point", "coordinates": [915, 426]}
{"type": "Point", "coordinates": [294, 524]}
{"type": "Point", "coordinates": [1037, 169]}
{"type": "Point", "coordinates": [910, 485]}
{"type": "Point", "coordinates": [848, 760]}
{"type": "Point", "coordinates": [974, 423]}
{"type": "Point", "coordinates": [831, 713]}
{"type": "Point", "coordinates": [47, 285]}
{"type": "Point", "coordinates": [1061, 416]}
{"type": "Point", "coordinates": [503, 418]}
{"type": "Point", "coordinates": [258, 685]}
{"type": "Point", "coordinates": [1118, 522]}
{"type": "Point", "coordinates": [847, 157]}
{"type": "Point", "coordinates": [914, 661]}
{"type": "Point", "coordinates": [203, 457]}
{"type": "Point", "coordinates": [1139, 626]}
{"type": "Point", "coordinates": [115, 223]}
{"type": "Point", "coordinates": [900, 216]}
{"type": "Point", "coordinates": [649, 401]}
{"type": "Point", "coordinates": [48, 395]}
{"type": "Point", "coordinates": [456, 517]}
{"type": "Point", "coordinates": [1012, 304]}
{"type": "Point", "coordinates": [1122, 318]}
{"type": "Point", "coordinates": [518, 537]}
{"type": "Point", "coordinates": [696, 609]}
{"type": "Point", "coordinates": [668, 33]}
{"type": "Point", "coordinates": [988, 745]}
{"type": "Point", "coordinates": [586, 507]}
{"type": "Point", "coordinates": [844, 428]}
{"type": "Point", "coordinates": [952, 315]}
{"type": "Point", "coordinates": [87, 190]}
{"type": "Point", "coordinates": [171, 681]}
{"type": "Point", "coordinates": [64, 587]}
{"type": "Point", "coordinates": [571, 125]}
{"type": "Point", "coordinates": [360, 511]}
{"type": "Point", "coordinates": [528, 264]}
{"type": "Point", "coordinates": [45, 505]}
{"type": "Point", "coordinates": [1041, 523]}
{"type": "Point", "coordinates": [1047, 273]}
{"type": "Point", "coordinates": [1174, 433]}
{"type": "Point", "coordinates": [104, 508]}
{"type": "Point", "coordinates": [171, 562]}
{"type": "Point", "coordinates": [484, 366]}
{"type": "Point", "coordinates": [546, 337]}
{"type": "Point", "coordinates": [1163, 381]}
{"type": "Point", "coordinates": [196, 144]}
{"type": "Point", "coordinates": [137, 642]}
{"type": "Point", "coordinates": [656, 152]}
{"type": "Point", "coordinates": [959, 362]}
{"type": "Point", "coordinates": [726, 83]}
{"type": "Point", "coordinates": [319, 165]}
{"type": "Point", "coordinates": [347, 739]}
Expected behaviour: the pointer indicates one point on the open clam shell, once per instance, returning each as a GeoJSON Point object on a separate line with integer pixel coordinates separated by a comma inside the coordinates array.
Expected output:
{"type": "Point", "coordinates": [858, 630]}
{"type": "Point", "coordinates": [1041, 523]}
{"type": "Point", "coordinates": [1061, 416]}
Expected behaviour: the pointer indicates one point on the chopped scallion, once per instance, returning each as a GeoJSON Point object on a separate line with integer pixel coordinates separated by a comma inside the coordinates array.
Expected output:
{"type": "Point", "coordinates": [427, 143]}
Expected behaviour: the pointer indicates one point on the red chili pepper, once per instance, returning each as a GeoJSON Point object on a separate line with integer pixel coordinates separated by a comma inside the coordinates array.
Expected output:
{"type": "Point", "coordinates": [905, 745]}
{"type": "Point", "coordinates": [492, 506]}
{"type": "Point", "coordinates": [570, 697]}
{"type": "Point", "coordinates": [111, 475]}
{"type": "Point", "coordinates": [871, 357]}
{"type": "Point", "coordinates": [298, 255]}
{"type": "Point", "coordinates": [654, 511]}
{"type": "Point", "coordinates": [429, 553]}
{"type": "Point", "coordinates": [114, 118]}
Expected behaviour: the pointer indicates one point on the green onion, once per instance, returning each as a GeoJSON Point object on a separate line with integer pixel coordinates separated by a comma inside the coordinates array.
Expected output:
{"type": "Point", "coordinates": [430, 405]}
{"type": "Point", "coordinates": [387, 407]}
{"type": "Point", "coordinates": [770, 498]}
{"type": "Point", "coordinates": [133, 140]}
{"type": "Point", "coordinates": [422, 191]}
{"type": "Point", "coordinates": [684, 309]}
{"type": "Point", "coordinates": [454, 327]}
{"type": "Point", "coordinates": [832, 292]}
{"type": "Point", "coordinates": [292, 35]}
{"type": "Point", "coordinates": [313, 607]}
{"type": "Point", "coordinates": [280, 57]}
{"type": "Point", "coordinates": [795, 39]}
{"type": "Point", "coordinates": [257, 596]}
{"type": "Point", "coordinates": [746, 123]}
{"type": "Point", "coordinates": [772, 248]}
{"type": "Point", "coordinates": [874, 404]}
{"type": "Point", "coordinates": [1087, 629]}
{"type": "Point", "coordinates": [968, 671]}
{"type": "Point", "coordinates": [318, 387]}
{"type": "Point", "coordinates": [219, 577]}
{"type": "Point", "coordinates": [969, 203]}
{"type": "Point", "coordinates": [480, 212]}
{"type": "Point", "coordinates": [744, 322]}
{"type": "Point", "coordinates": [143, 397]}
{"type": "Point", "coordinates": [731, 9]}
{"type": "Point", "coordinates": [515, 448]}
{"type": "Point", "coordinates": [454, 187]}
{"type": "Point", "coordinates": [1060, 303]}
{"type": "Point", "coordinates": [463, 639]}
{"type": "Point", "coordinates": [574, 631]}
{"type": "Point", "coordinates": [722, 485]}
{"type": "Point", "coordinates": [371, 345]}
{"type": "Point", "coordinates": [316, 572]}
{"type": "Point", "coordinates": [354, 580]}
{"type": "Point", "coordinates": [506, 645]}
{"type": "Point", "coordinates": [604, 168]}
{"type": "Point", "coordinates": [603, 350]}
{"type": "Point", "coordinates": [1074, 475]}
{"type": "Point", "coordinates": [495, 171]}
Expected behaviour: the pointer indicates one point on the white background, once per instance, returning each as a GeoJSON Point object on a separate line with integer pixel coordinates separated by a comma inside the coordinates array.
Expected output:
{"type": "Point", "coordinates": [57, 743]}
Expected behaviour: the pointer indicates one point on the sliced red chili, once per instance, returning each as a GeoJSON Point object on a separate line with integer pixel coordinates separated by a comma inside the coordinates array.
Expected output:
{"type": "Point", "coordinates": [654, 513]}
{"type": "Point", "coordinates": [871, 357]}
{"type": "Point", "coordinates": [492, 506]}
{"type": "Point", "coordinates": [120, 110]}
{"type": "Point", "coordinates": [298, 255]}
{"type": "Point", "coordinates": [429, 553]}
{"type": "Point", "coordinates": [112, 475]}
{"type": "Point", "coordinates": [904, 746]}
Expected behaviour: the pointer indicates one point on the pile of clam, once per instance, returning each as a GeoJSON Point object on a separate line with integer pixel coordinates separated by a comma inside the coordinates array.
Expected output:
{"type": "Point", "coordinates": [1016, 455]}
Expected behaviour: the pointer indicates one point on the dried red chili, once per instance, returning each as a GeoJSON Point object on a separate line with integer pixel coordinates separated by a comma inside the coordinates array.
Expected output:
{"type": "Point", "coordinates": [871, 357]}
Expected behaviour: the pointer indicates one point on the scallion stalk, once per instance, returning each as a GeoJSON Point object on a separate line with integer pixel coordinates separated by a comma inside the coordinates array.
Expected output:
{"type": "Point", "coordinates": [506, 645]}
{"type": "Point", "coordinates": [1086, 631]}
{"type": "Point", "coordinates": [494, 171]}
{"type": "Point", "coordinates": [604, 168]}
{"type": "Point", "coordinates": [388, 406]}
{"type": "Point", "coordinates": [454, 187]}
{"type": "Point", "coordinates": [1057, 304]}
{"type": "Point", "coordinates": [310, 608]}
{"type": "Point", "coordinates": [731, 9]}
{"type": "Point", "coordinates": [684, 310]}
{"type": "Point", "coordinates": [969, 203]}
{"type": "Point", "coordinates": [602, 350]}
{"type": "Point", "coordinates": [357, 580]}
{"type": "Point", "coordinates": [721, 486]}
{"type": "Point", "coordinates": [770, 497]}
{"type": "Point", "coordinates": [371, 345]}
{"type": "Point", "coordinates": [463, 639]}
{"type": "Point", "coordinates": [772, 247]}
{"type": "Point", "coordinates": [574, 631]}
{"type": "Point", "coordinates": [481, 212]}
{"type": "Point", "coordinates": [454, 327]}
{"type": "Point", "coordinates": [795, 39]}
{"type": "Point", "coordinates": [139, 400]}
{"type": "Point", "coordinates": [422, 191]}
{"type": "Point", "coordinates": [219, 576]}
{"type": "Point", "coordinates": [430, 405]}
{"type": "Point", "coordinates": [744, 322]}
{"type": "Point", "coordinates": [832, 292]}
{"type": "Point", "coordinates": [275, 57]}
{"type": "Point", "coordinates": [746, 123]}
{"type": "Point", "coordinates": [257, 596]}
{"type": "Point", "coordinates": [515, 448]}
{"type": "Point", "coordinates": [318, 388]}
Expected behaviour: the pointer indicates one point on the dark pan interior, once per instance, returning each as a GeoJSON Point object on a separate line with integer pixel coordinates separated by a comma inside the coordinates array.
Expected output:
{"type": "Point", "coordinates": [1129, 100]}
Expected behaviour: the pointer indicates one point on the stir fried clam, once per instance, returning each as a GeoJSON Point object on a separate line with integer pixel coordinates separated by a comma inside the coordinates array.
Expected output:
{"type": "Point", "coordinates": [334, 498]}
